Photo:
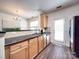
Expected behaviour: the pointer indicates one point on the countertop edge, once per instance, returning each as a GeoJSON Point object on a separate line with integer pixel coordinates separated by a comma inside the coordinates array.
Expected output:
{"type": "Point", "coordinates": [11, 41]}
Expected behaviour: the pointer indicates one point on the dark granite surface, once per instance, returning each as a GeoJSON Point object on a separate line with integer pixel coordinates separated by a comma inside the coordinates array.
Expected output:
{"type": "Point", "coordinates": [2, 34]}
{"type": "Point", "coordinates": [47, 33]}
{"type": "Point", "coordinates": [10, 41]}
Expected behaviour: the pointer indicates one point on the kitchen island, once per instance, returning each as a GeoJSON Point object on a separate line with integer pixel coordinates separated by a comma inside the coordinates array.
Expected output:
{"type": "Point", "coordinates": [25, 46]}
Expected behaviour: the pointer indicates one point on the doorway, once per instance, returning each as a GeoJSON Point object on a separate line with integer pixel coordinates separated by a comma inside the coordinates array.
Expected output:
{"type": "Point", "coordinates": [59, 30]}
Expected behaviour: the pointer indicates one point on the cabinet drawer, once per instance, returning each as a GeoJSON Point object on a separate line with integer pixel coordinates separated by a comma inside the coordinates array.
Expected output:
{"type": "Point", "coordinates": [15, 47]}
{"type": "Point", "coordinates": [21, 53]}
{"type": "Point", "coordinates": [33, 41]}
{"type": "Point", "coordinates": [24, 44]}
{"type": "Point", "coordinates": [18, 45]}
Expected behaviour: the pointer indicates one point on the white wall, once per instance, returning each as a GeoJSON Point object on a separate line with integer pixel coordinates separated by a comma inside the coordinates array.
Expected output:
{"type": "Point", "coordinates": [10, 21]}
{"type": "Point", "coordinates": [67, 14]}
{"type": "Point", "coordinates": [34, 19]}
{"type": "Point", "coordinates": [23, 24]}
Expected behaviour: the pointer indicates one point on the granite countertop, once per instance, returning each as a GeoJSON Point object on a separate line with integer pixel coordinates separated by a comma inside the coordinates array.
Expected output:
{"type": "Point", "coordinates": [16, 39]}
{"type": "Point", "coordinates": [10, 41]}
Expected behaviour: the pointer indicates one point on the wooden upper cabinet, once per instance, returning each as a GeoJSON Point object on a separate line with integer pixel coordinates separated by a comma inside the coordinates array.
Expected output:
{"type": "Point", "coordinates": [44, 21]}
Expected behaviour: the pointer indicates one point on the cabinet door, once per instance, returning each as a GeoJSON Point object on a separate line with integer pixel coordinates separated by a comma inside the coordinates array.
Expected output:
{"type": "Point", "coordinates": [7, 52]}
{"type": "Point", "coordinates": [45, 40]}
{"type": "Point", "coordinates": [41, 21]}
{"type": "Point", "coordinates": [44, 21]}
{"type": "Point", "coordinates": [48, 39]}
{"type": "Point", "coordinates": [41, 43]}
{"type": "Point", "coordinates": [33, 48]}
{"type": "Point", "coordinates": [21, 53]}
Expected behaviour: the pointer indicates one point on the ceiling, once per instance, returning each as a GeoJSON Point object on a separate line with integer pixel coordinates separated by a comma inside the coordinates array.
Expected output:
{"type": "Point", "coordinates": [31, 8]}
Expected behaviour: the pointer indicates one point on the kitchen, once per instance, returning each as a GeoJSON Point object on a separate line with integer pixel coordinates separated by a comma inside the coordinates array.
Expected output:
{"type": "Point", "coordinates": [27, 28]}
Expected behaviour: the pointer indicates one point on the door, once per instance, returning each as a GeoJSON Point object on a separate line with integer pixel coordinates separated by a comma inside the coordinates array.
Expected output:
{"type": "Point", "coordinates": [59, 31]}
{"type": "Point", "coordinates": [76, 36]}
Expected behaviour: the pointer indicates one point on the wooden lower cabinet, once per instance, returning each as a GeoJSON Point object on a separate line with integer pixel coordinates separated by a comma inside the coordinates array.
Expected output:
{"type": "Point", "coordinates": [48, 39]}
{"type": "Point", "coordinates": [33, 48]}
{"type": "Point", "coordinates": [45, 40]}
{"type": "Point", "coordinates": [21, 53]}
{"type": "Point", "coordinates": [7, 52]}
{"type": "Point", "coordinates": [17, 51]}
{"type": "Point", "coordinates": [27, 49]}
{"type": "Point", "coordinates": [41, 43]}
